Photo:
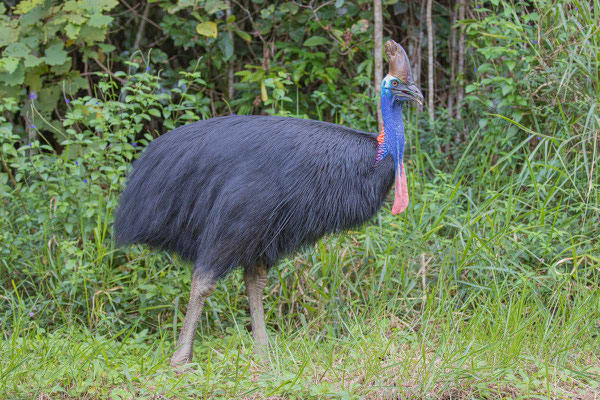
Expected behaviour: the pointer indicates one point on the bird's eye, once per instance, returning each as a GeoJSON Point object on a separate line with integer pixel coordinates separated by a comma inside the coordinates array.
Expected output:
{"type": "Point", "coordinates": [394, 83]}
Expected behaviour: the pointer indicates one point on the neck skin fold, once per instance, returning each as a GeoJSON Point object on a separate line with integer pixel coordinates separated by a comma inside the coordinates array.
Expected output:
{"type": "Point", "coordinates": [393, 128]}
{"type": "Point", "coordinates": [393, 142]}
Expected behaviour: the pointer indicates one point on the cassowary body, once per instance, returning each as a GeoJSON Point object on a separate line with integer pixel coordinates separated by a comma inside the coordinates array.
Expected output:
{"type": "Point", "coordinates": [234, 191]}
{"type": "Point", "coordinates": [248, 190]}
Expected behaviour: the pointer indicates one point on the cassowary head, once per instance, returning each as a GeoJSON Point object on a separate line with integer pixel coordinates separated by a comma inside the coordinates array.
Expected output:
{"type": "Point", "coordinates": [398, 85]}
{"type": "Point", "coordinates": [397, 88]}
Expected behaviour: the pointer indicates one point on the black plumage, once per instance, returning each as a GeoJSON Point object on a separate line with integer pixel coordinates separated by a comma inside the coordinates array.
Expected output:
{"type": "Point", "coordinates": [234, 191]}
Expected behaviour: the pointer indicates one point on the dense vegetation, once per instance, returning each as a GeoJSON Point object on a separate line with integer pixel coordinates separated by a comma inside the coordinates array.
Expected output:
{"type": "Point", "coordinates": [487, 287]}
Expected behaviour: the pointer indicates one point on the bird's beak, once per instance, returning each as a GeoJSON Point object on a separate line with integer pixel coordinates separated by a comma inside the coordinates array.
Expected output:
{"type": "Point", "coordinates": [410, 91]}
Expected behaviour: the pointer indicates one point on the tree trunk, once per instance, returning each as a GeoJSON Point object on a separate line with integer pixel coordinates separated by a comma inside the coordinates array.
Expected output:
{"type": "Point", "coordinates": [378, 36]}
{"type": "Point", "coordinates": [230, 65]}
{"type": "Point", "coordinates": [140, 33]}
{"type": "Point", "coordinates": [461, 66]}
{"type": "Point", "coordinates": [430, 62]}
{"type": "Point", "coordinates": [417, 76]}
{"type": "Point", "coordinates": [452, 58]}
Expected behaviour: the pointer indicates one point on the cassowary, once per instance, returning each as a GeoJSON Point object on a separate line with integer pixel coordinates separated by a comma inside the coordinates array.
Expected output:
{"type": "Point", "coordinates": [247, 190]}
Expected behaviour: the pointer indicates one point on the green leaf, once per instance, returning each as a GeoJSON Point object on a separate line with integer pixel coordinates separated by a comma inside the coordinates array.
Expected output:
{"type": "Point", "coordinates": [7, 148]}
{"type": "Point", "coordinates": [182, 4]}
{"type": "Point", "coordinates": [207, 28]}
{"type": "Point", "coordinates": [483, 123]}
{"type": "Point", "coordinates": [97, 6]}
{"type": "Point", "coordinates": [226, 46]}
{"type": "Point", "coordinates": [212, 6]}
{"type": "Point", "coordinates": [48, 97]}
{"type": "Point", "coordinates": [15, 78]}
{"type": "Point", "coordinates": [100, 20]}
{"type": "Point", "coordinates": [61, 69]}
{"type": "Point", "coordinates": [34, 79]}
{"type": "Point", "coordinates": [17, 49]}
{"type": "Point", "coordinates": [56, 55]}
{"type": "Point", "coordinates": [485, 67]}
{"type": "Point", "coordinates": [91, 34]}
{"type": "Point", "coordinates": [33, 41]}
{"type": "Point", "coordinates": [244, 35]}
{"type": "Point", "coordinates": [315, 41]}
{"type": "Point", "coordinates": [9, 64]}
{"type": "Point", "coordinates": [297, 34]}
{"type": "Point", "coordinates": [107, 48]}
{"type": "Point", "coordinates": [288, 8]}
{"type": "Point", "coordinates": [73, 82]}
{"type": "Point", "coordinates": [71, 6]}
{"type": "Point", "coordinates": [31, 61]}
{"type": "Point", "coordinates": [333, 73]}
{"type": "Point", "coordinates": [154, 112]}
{"type": "Point", "coordinates": [32, 18]}
{"type": "Point", "coordinates": [9, 32]}
{"type": "Point", "coordinates": [76, 19]}
{"type": "Point", "coordinates": [27, 5]}
{"type": "Point", "coordinates": [72, 31]}
{"type": "Point", "coordinates": [297, 74]}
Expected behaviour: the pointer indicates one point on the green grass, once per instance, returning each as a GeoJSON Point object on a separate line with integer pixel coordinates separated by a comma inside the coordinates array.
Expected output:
{"type": "Point", "coordinates": [492, 348]}
{"type": "Point", "coordinates": [487, 289]}
{"type": "Point", "coordinates": [339, 337]}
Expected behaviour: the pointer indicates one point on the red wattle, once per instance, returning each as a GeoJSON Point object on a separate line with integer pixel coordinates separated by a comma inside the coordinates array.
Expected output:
{"type": "Point", "coordinates": [401, 192]}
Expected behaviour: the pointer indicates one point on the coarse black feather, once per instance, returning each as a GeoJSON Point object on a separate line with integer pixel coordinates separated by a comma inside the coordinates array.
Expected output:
{"type": "Point", "coordinates": [232, 191]}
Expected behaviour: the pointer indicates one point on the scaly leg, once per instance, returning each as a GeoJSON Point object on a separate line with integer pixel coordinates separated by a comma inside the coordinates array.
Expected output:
{"type": "Point", "coordinates": [256, 280]}
{"type": "Point", "coordinates": [202, 287]}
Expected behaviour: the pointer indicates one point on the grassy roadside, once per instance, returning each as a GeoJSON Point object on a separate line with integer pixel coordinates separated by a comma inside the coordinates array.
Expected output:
{"type": "Point", "coordinates": [486, 288]}
{"type": "Point", "coordinates": [506, 341]}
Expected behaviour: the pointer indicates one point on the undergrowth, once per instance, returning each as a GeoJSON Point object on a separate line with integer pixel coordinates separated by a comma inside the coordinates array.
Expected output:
{"type": "Point", "coordinates": [487, 287]}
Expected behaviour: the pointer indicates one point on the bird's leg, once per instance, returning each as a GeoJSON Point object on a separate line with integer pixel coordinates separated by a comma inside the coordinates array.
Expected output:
{"type": "Point", "coordinates": [256, 280]}
{"type": "Point", "coordinates": [202, 287]}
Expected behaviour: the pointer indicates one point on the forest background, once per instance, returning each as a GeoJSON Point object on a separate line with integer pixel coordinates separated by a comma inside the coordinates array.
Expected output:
{"type": "Point", "coordinates": [487, 287]}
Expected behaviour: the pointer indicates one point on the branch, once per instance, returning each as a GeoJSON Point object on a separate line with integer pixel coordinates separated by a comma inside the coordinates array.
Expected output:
{"type": "Point", "coordinates": [121, 80]}
{"type": "Point", "coordinates": [140, 33]}
{"type": "Point", "coordinates": [256, 31]}
{"type": "Point", "coordinates": [318, 20]}
{"type": "Point", "coordinates": [145, 17]}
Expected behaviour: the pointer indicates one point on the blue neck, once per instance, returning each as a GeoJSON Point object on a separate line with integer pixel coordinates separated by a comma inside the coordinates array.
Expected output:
{"type": "Point", "coordinates": [394, 128]}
